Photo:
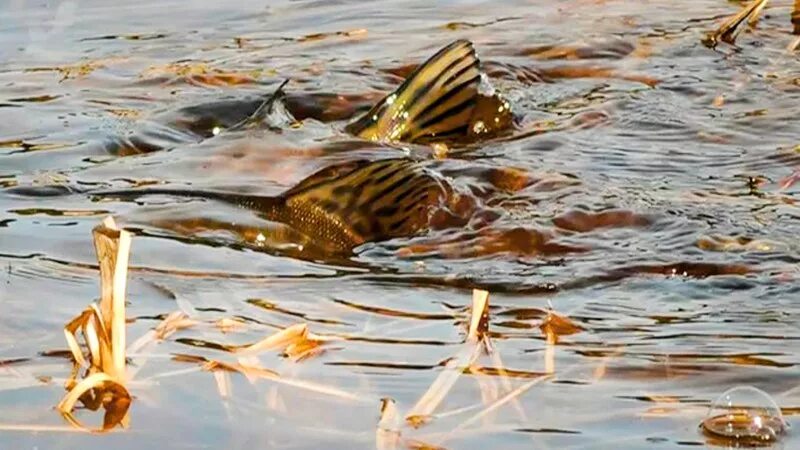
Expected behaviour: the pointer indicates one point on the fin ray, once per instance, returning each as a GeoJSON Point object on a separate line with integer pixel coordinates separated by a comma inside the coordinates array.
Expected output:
{"type": "Point", "coordinates": [449, 78]}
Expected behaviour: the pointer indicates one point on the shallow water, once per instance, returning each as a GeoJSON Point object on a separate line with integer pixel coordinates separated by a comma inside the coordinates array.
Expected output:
{"type": "Point", "coordinates": [644, 205]}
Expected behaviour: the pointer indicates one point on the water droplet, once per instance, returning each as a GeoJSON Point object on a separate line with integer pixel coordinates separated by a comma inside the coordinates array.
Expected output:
{"type": "Point", "coordinates": [485, 87]}
{"type": "Point", "coordinates": [744, 416]}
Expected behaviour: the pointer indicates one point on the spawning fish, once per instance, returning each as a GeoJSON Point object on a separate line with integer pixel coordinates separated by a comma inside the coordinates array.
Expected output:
{"type": "Point", "coordinates": [442, 100]}
{"type": "Point", "coordinates": [344, 205]}
{"type": "Point", "coordinates": [348, 204]}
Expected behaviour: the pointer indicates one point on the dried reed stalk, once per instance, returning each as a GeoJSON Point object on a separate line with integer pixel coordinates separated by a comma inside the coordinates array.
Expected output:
{"type": "Point", "coordinates": [254, 372]}
{"type": "Point", "coordinates": [281, 339]}
{"type": "Point", "coordinates": [387, 436]}
{"type": "Point", "coordinates": [477, 337]}
{"type": "Point", "coordinates": [730, 29]}
{"type": "Point", "coordinates": [103, 330]}
{"type": "Point", "coordinates": [796, 17]}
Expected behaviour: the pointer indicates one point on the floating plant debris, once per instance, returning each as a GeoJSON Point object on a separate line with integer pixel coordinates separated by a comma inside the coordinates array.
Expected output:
{"type": "Point", "coordinates": [730, 29]}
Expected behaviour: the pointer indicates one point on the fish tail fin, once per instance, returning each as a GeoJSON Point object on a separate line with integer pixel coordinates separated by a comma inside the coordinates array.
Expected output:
{"type": "Point", "coordinates": [435, 102]}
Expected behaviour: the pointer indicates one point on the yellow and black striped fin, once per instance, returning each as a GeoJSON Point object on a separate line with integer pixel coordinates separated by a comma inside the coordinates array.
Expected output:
{"type": "Point", "coordinates": [374, 201]}
{"type": "Point", "coordinates": [434, 103]}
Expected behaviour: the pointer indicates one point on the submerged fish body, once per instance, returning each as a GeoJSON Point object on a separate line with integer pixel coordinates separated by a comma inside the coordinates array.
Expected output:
{"type": "Point", "coordinates": [373, 202]}
{"type": "Point", "coordinates": [348, 204]}
{"type": "Point", "coordinates": [344, 205]}
{"type": "Point", "coordinates": [446, 99]}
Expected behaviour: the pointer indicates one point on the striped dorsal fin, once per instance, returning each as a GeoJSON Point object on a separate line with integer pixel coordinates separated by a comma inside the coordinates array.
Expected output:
{"type": "Point", "coordinates": [434, 103]}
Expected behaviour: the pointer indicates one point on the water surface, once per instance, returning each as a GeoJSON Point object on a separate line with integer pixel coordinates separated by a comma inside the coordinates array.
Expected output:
{"type": "Point", "coordinates": [656, 159]}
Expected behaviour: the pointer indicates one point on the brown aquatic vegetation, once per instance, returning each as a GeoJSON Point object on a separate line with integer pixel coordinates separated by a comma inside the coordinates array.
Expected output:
{"type": "Point", "coordinates": [494, 396]}
{"type": "Point", "coordinates": [199, 73]}
{"type": "Point", "coordinates": [358, 33]}
{"type": "Point", "coordinates": [105, 375]}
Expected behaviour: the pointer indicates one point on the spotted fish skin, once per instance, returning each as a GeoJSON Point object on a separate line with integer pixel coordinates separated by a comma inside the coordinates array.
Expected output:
{"type": "Point", "coordinates": [441, 101]}
{"type": "Point", "coordinates": [345, 205]}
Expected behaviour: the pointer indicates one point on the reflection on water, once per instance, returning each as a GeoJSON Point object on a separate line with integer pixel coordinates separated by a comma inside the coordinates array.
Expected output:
{"type": "Point", "coordinates": [645, 192]}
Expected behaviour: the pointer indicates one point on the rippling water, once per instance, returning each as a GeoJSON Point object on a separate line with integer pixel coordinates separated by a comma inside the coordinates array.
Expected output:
{"type": "Point", "coordinates": [638, 195]}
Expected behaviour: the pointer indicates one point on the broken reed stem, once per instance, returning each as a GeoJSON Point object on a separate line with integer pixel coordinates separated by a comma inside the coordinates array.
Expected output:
{"type": "Point", "coordinates": [118, 299]}
{"type": "Point", "coordinates": [387, 436]}
{"type": "Point", "coordinates": [103, 329]}
{"type": "Point", "coordinates": [479, 320]}
{"type": "Point", "coordinates": [113, 249]}
{"type": "Point", "coordinates": [476, 337]}
{"type": "Point", "coordinates": [794, 44]}
{"type": "Point", "coordinates": [280, 339]}
{"type": "Point", "coordinates": [730, 29]}
{"type": "Point", "coordinates": [752, 19]}
{"type": "Point", "coordinates": [796, 17]}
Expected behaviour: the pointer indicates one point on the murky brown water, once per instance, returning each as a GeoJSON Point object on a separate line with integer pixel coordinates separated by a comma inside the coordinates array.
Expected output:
{"type": "Point", "coordinates": [639, 195]}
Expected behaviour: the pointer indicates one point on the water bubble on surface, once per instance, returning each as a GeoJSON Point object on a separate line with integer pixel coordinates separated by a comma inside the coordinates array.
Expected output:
{"type": "Point", "coordinates": [744, 416]}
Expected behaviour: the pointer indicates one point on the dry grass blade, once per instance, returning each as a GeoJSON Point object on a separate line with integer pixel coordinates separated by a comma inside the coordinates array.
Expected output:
{"type": "Point", "coordinates": [387, 436]}
{"type": "Point", "coordinates": [730, 29]}
{"type": "Point", "coordinates": [223, 381]}
{"type": "Point", "coordinates": [794, 44]}
{"type": "Point", "coordinates": [490, 393]}
{"type": "Point", "coordinates": [494, 406]}
{"type": "Point", "coordinates": [505, 380]}
{"type": "Point", "coordinates": [11, 384]}
{"type": "Point", "coordinates": [228, 325]}
{"type": "Point", "coordinates": [318, 388]}
{"type": "Point", "coordinates": [71, 330]}
{"type": "Point", "coordinates": [254, 372]}
{"type": "Point", "coordinates": [430, 400]}
{"type": "Point", "coordinates": [477, 335]}
{"type": "Point", "coordinates": [281, 339]}
{"type": "Point", "coordinates": [175, 321]}
{"type": "Point", "coordinates": [34, 428]}
{"type": "Point", "coordinates": [113, 247]}
{"type": "Point", "coordinates": [479, 322]}
{"type": "Point", "coordinates": [117, 403]}
{"type": "Point", "coordinates": [790, 180]}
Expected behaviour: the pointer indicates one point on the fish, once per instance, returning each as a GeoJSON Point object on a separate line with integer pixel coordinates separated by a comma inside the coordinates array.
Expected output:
{"type": "Point", "coordinates": [341, 206]}
{"type": "Point", "coordinates": [348, 204]}
{"type": "Point", "coordinates": [446, 99]}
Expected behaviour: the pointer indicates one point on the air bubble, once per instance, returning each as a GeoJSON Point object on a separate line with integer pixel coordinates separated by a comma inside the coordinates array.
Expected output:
{"type": "Point", "coordinates": [744, 417]}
